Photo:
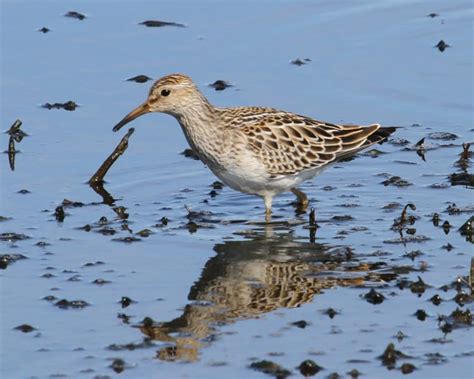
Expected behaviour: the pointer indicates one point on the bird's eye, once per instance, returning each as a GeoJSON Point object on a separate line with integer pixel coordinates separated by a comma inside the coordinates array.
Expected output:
{"type": "Point", "coordinates": [165, 92]}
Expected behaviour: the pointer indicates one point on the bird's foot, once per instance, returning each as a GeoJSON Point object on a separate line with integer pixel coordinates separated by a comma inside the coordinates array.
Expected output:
{"type": "Point", "coordinates": [302, 201]}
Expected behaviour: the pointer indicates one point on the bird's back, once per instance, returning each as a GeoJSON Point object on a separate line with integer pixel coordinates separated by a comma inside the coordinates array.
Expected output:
{"type": "Point", "coordinates": [288, 143]}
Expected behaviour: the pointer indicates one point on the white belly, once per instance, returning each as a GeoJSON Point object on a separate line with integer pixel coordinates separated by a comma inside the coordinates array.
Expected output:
{"type": "Point", "coordinates": [253, 179]}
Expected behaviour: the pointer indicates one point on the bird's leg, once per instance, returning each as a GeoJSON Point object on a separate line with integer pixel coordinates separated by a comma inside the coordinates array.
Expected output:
{"type": "Point", "coordinates": [302, 199]}
{"type": "Point", "coordinates": [268, 208]}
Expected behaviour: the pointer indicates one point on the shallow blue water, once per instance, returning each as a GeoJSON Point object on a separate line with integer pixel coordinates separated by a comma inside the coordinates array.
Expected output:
{"type": "Point", "coordinates": [370, 62]}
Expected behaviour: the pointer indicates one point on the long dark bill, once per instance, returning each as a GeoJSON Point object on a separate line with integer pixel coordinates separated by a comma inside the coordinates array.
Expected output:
{"type": "Point", "coordinates": [137, 112]}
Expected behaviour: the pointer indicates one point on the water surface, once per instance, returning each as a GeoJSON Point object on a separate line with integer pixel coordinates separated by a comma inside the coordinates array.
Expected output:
{"type": "Point", "coordinates": [227, 294]}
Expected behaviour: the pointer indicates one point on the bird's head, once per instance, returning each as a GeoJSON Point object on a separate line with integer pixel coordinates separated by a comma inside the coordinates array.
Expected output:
{"type": "Point", "coordinates": [173, 94]}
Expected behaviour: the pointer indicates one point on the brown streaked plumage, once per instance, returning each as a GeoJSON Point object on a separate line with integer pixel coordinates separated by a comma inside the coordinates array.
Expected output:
{"type": "Point", "coordinates": [256, 150]}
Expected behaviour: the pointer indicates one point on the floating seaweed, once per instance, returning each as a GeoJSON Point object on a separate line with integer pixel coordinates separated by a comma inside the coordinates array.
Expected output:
{"type": "Point", "coordinates": [441, 46]}
{"type": "Point", "coordinates": [159, 24]}
{"type": "Point", "coordinates": [220, 85]}
{"type": "Point", "coordinates": [76, 15]}
{"type": "Point", "coordinates": [462, 179]}
{"type": "Point", "coordinates": [396, 181]}
{"type": "Point", "coordinates": [300, 62]}
{"type": "Point", "coordinates": [466, 229]}
{"type": "Point", "coordinates": [270, 368]}
{"type": "Point", "coordinates": [190, 153]}
{"type": "Point", "coordinates": [139, 79]}
{"type": "Point", "coordinates": [68, 105]}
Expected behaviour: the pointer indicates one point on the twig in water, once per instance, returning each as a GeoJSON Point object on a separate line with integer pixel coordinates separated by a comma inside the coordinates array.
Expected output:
{"type": "Point", "coordinates": [98, 177]}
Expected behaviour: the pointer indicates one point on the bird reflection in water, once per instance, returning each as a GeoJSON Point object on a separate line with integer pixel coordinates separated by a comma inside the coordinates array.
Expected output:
{"type": "Point", "coordinates": [266, 271]}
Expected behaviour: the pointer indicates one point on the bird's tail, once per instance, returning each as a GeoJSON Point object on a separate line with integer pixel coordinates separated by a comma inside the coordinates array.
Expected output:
{"type": "Point", "coordinates": [380, 135]}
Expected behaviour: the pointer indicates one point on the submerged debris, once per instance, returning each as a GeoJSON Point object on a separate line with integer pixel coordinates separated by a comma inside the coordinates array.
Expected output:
{"type": "Point", "coordinates": [68, 105]}
{"type": "Point", "coordinates": [13, 237]}
{"type": "Point", "coordinates": [400, 336]}
{"type": "Point", "coordinates": [127, 239]}
{"type": "Point", "coordinates": [407, 368]}
{"type": "Point", "coordinates": [466, 229]}
{"type": "Point", "coordinates": [421, 314]}
{"type": "Point", "coordinates": [270, 368]}
{"type": "Point", "coordinates": [453, 209]}
{"type": "Point", "coordinates": [462, 298]}
{"type": "Point", "coordinates": [354, 373]}
{"type": "Point", "coordinates": [159, 24]}
{"type": "Point", "coordinates": [418, 287]}
{"type": "Point", "coordinates": [217, 185]}
{"type": "Point", "coordinates": [300, 324]}
{"type": "Point", "coordinates": [300, 62]}
{"type": "Point", "coordinates": [72, 204]}
{"type": "Point", "coordinates": [374, 297]}
{"type": "Point", "coordinates": [118, 365]}
{"type": "Point", "coordinates": [309, 368]}
{"type": "Point", "coordinates": [59, 214]}
{"type": "Point", "coordinates": [441, 45]}
{"type": "Point", "coordinates": [76, 15]}
{"type": "Point", "coordinates": [461, 316]}
{"type": "Point", "coordinates": [390, 356]}
{"type": "Point", "coordinates": [25, 328]}
{"type": "Point", "coordinates": [220, 85]}
{"type": "Point", "coordinates": [189, 153]}
{"type": "Point", "coordinates": [3, 262]}
{"type": "Point", "coordinates": [121, 212]}
{"type": "Point", "coordinates": [125, 301]}
{"type": "Point", "coordinates": [198, 217]}
{"type": "Point", "coordinates": [6, 259]}
{"type": "Point", "coordinates": [398, 141]}
{"type": "Point", "coordinates": [139, 79]}
{"type": "Point", "coordinates": [163, 222]}
{"type": "Point", "coordinates": [391, 206]}
{"type": "Point", "coordinates": [436, 299]}
{"type": "Point", "coordinates": [443, 136]}
{"type": "Point", "coordinates": [331, 312]}
{"type": "Point", "coordinates": [462, 179]}
{"type": "Point", "coordinates": [144, 233]}
{"type": "Point", "coordinates": [74, 304]}
{"type": "Point", "coordinates": [396, 181]}
{"type": "Point", "coordinates": [408, 239]}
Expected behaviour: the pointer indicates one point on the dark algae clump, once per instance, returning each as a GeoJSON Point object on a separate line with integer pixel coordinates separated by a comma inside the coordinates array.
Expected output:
{"type": "Point", "coordinates": [160, 24]}
{"type": "Point", "coordinates": [270, 368]}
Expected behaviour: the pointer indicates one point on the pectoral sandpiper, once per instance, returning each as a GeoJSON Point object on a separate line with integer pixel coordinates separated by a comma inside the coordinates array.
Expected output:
{"type": "Point", "coordinates": [256, 150]}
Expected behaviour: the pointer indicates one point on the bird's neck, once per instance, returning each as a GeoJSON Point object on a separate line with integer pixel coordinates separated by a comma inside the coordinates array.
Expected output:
{"type": "Point", "coordinates": [202, 128]}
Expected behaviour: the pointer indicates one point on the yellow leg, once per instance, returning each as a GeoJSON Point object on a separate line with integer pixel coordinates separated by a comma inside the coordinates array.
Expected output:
{"type": "Point", "coordinates": [302, 199]}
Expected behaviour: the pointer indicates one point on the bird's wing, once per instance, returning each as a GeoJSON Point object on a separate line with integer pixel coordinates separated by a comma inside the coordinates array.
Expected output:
{"type": "Point", "coordinates": [288, 143]}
